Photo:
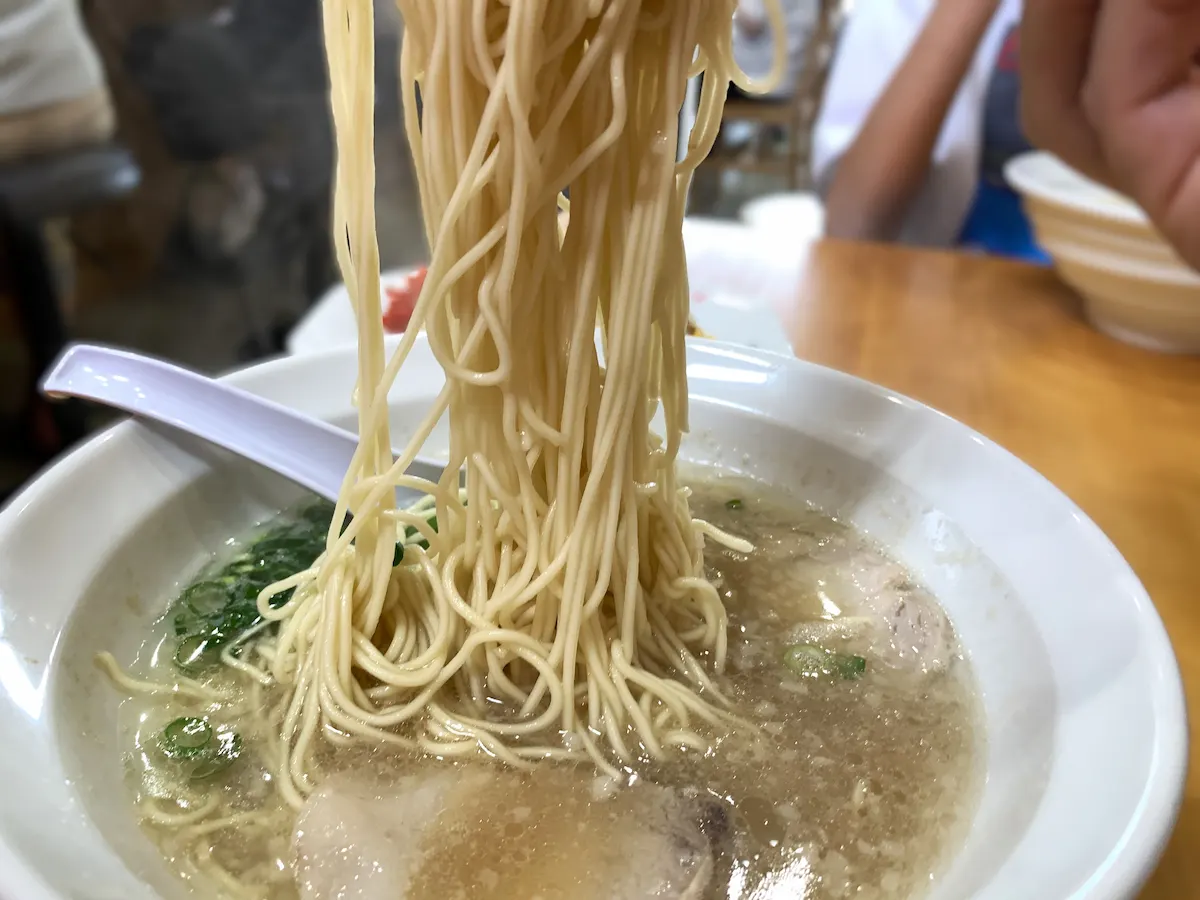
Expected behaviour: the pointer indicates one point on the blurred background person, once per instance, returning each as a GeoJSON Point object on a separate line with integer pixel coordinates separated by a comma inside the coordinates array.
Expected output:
{"type": "Point", "coordinates": [52, 91]}
{"type": "Point", "coordinates": [921, 113]}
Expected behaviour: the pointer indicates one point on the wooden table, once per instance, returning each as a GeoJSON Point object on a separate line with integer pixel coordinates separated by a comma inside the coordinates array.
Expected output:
{"type": "Point", "coordinates": [1004, 348]}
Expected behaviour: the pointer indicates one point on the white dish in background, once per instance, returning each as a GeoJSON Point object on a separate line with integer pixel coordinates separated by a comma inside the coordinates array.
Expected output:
{"type": "Point", "coordinates": [1086, 727]}
{"type": "Point", "coordinates": [756, 327]}
{"type": "Point", "coordinates": [739, 282]}
{"type": "Point", "coordinates": [1134, 286]}
{"type": "Point", "coordinates": [330, 322]}
{"type": "Point", "coordinates": [798, 217]}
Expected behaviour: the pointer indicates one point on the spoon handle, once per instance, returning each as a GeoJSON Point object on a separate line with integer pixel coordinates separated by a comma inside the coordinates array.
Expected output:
{"type": "Point", "coordinates": [312, 453]}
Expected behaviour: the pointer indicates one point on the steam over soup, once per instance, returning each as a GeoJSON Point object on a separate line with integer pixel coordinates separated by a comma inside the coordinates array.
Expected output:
{"type": "Point", "coordinates": [854, 773]}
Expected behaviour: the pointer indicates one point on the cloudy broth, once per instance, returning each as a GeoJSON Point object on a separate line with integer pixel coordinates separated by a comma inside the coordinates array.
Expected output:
{"type": "Point", "coordinates": [855, 776]}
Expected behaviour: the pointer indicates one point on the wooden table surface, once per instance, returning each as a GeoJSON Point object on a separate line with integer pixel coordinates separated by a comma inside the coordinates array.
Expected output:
{"type": "Point", "coordinates": [1004, 348]}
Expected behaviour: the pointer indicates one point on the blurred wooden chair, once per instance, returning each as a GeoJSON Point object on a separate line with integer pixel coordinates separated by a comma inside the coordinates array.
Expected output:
{"type": "Point", "coordinates": [794, 116]}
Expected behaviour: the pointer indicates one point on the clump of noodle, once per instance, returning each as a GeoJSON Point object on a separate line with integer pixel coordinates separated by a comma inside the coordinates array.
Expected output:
{"type": "Point", "coordinates": [569, 583]}
{"type": "Point", "coordinates": [566, 580]}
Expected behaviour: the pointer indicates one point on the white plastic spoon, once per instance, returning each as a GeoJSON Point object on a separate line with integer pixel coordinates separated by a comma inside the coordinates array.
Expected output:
{"type": "Point", "coordinates": [305, 450]}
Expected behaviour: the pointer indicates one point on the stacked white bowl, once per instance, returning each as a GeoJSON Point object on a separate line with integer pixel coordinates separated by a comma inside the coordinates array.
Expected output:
{"type": "Point", "coordinates": [1134, 286]}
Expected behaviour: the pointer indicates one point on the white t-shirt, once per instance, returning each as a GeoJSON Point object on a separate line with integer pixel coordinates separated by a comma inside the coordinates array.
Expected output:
{"type": "Point", "coordinates": [874, 43]}
{"type": "Point", "coordinates": [45, 55]}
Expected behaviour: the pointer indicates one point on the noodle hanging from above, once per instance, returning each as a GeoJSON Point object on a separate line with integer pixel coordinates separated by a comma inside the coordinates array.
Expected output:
{"type": "Point", "coordinates": [556, 605]}
{"type": "Point", "coordinates": [567, 579]}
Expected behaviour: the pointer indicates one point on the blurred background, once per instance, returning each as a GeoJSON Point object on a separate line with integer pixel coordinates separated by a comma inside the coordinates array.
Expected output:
{"type": "Point", "coordinates": [165, 177]}
{"type": "Point", "coordinates": [185, 212]}
{"type": "Point", "coordinates": [165, 180]}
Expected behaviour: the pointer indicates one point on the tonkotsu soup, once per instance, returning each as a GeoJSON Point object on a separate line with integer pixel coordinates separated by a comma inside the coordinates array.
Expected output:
{"type": "Point", "coordinates": [854, 775]}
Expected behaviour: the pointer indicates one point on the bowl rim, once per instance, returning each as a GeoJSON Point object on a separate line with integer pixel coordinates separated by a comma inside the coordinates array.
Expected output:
{"type": "Point", "coordinates": [1022, 173]}
{"type": "Point", "coordinates": [1129, 863]}
{"type": "Point", "coordinates": [1151, 273]}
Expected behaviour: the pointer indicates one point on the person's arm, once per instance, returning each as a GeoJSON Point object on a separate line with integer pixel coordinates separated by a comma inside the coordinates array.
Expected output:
{"type": "Point", "coordinates": [884, 168]}
{"type": "Point", "coordinates": [1113, 87]}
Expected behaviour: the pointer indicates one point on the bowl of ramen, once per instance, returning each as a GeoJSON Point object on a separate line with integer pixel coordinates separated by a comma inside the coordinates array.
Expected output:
{"type": "Point", "coordinates": [679, 619]}
{"type": "Point", "coordinates": [935, 667]}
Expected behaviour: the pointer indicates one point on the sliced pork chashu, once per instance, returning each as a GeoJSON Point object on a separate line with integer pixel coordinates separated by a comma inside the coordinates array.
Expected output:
{"type": "Point", "coordinates": [494, 835]}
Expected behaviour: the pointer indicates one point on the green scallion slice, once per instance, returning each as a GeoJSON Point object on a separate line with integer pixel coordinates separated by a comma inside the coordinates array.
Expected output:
{"type": "Point", "coordinates": [849, 667]}
{"type": "Point", "coordinates": [810, 661]}
{"type": "Point", "coordinates": [412, 531]}
{"type": "Point", "coordinates": [187, 622]}
{"type": "Point", "coordinates": [186, 738]}
{"type": "Point", "coordinates": [206, 598]}
{"type": "Point", "coordinates": [192, 653]}
{"type": "Point", "coordinates": [806, 660]}
{"type": "Point", "coordinates": [225, 750]}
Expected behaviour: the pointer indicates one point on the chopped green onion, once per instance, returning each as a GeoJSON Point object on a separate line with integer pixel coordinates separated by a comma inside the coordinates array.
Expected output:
{"type": "Point", "coordinates": [809, 661]}
{"type": "Point", "coordinates": [318, 515]}
{"type": "Point", "coordinates": [398, 554]}
{"type": "Point", "coordinates": [805, 660]}
{"type": "Point", "coordinates": [412, 531]}
{"type": "Point", "coordinates": [223, 604]}
{"type": "Point", "coordinates": [205, 598]}
{"type": "Point", "coordinates": [280, 599]}
{"type": "Point", "coordinates": [202, 753]}
{"type": "Point", "coordinates": [187, 622]}
{"type": "Point", "coordinates": [239, 617]}
{"type": "Point", "coordinates": [218, 758]}
{"type": "Point", "coordinates": [735, 503]}
{"type": "Point", "coordinates": [239, 568]}
{"type": "Point", "coordinates": [192, 653]}
{"type": "Point", "coordinates": [285, 544]}
{"type": "Point", "coordinates": [850, 667]}
{"type": "Point", "coordinates": [185, 738]}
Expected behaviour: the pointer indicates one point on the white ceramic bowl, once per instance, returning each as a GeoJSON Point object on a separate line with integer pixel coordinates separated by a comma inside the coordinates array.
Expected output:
{"type": "Point", "coordinates": [1133, 284]}
{"type": "Point", "coordinates": [739, 278]}
{"type": "Point", "coordinates": [1084, 708]}
{"type": "Point", "coordinates": [795, 217]}
{"type": "Point", "coordinates": [330, 321]}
